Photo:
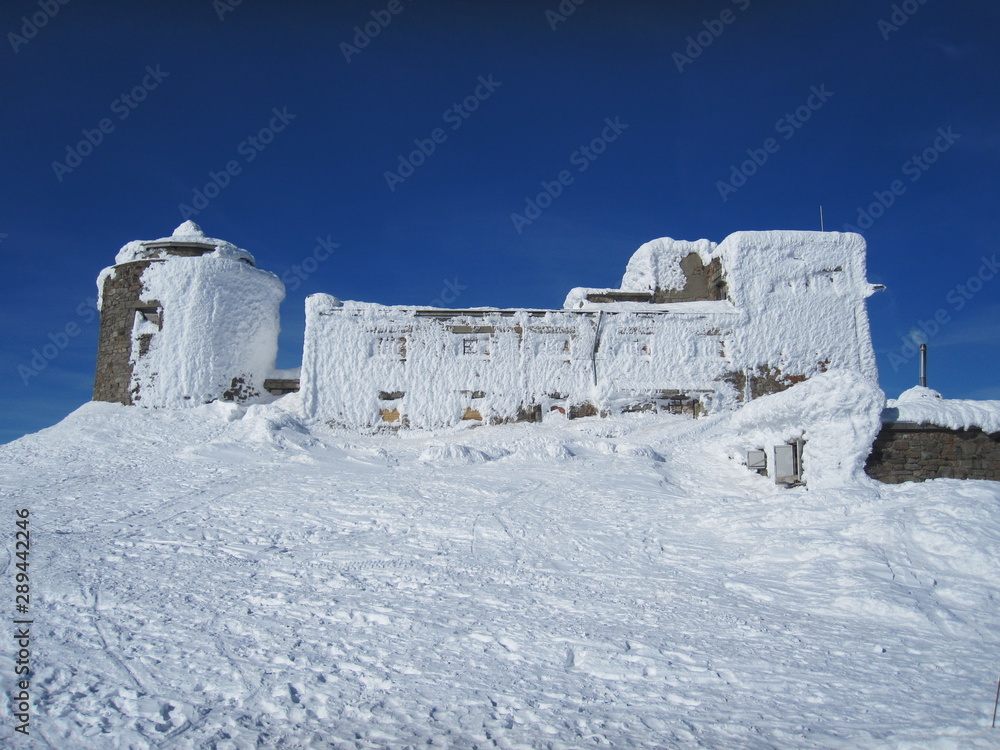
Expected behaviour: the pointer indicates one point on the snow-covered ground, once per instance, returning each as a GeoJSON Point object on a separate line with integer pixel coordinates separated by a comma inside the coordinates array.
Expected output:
{"type": "Point", "coordinates": [224, 577]}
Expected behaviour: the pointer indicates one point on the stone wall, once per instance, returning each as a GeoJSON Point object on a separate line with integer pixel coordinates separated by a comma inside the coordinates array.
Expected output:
{"type": "Point", "coordinates": [119, 299]}
{"type": "Point", "coordinates": [905, 452]}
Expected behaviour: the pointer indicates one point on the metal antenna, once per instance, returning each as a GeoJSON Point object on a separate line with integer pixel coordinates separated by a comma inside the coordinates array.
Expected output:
{"type": "Point", "coordinates": [923, 365]}
{"type": "Point", "coordinates": [821, 228]}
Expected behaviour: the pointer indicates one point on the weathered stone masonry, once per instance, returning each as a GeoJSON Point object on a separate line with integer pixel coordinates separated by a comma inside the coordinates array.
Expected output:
{"type": "Point", "coordinates": [120, 299]}
{"type": "Point", "coordinates": [907, 452]}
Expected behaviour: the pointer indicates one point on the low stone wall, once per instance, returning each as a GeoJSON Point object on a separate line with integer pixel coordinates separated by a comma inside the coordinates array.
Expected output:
{"type": "Point", "coordinates": [908, 452]}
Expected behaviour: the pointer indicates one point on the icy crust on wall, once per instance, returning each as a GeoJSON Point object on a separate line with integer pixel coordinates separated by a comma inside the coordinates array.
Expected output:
{"type": "Point", "coordinates": [804, 295]}
{"type": "Point", "coordinates": [657, 264]}
{"type": "Point", "coordinates": [495, 362]}
{"type": "Point", "coordinates": [801, 297]}
{"type": "Point", "coordinates": [925, 406]}
{"type": "Point", "coordinates": [219, 322]}
{"type": "Point", "coordinates": [188, 232]}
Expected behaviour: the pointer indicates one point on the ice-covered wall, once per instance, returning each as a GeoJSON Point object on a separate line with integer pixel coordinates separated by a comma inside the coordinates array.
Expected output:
{"type": "Point", "coordinates": [804, 295]}
{"type": "Point", "coordinates": [800, 298]}
{"type": "Point", "coordinates": [795, 308]}
{"type": "Point", "coordinates": [220, 332]}
{"type": "Point", "coordinates": [201, 323]}
{"type": "Point", "coordinates": [440, 366]}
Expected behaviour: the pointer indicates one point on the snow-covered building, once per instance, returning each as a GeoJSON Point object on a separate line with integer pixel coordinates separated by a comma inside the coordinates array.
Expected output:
{"type": "Point", "coordinates": [694, 326]}
{"type": "Point", "coordinates": [185, 319]}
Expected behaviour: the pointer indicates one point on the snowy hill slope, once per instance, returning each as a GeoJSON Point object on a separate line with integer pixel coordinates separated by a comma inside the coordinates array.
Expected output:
{"type": "Point", "coordinates": [224, 577]}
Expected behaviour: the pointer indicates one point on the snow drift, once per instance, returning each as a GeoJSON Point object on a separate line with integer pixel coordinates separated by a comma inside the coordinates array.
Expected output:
{"type": "Point", "coordinates": [230, 577]}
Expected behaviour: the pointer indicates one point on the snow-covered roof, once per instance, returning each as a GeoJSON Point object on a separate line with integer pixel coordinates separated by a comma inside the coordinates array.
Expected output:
{"type": "Point", "coordinates": [188, 235]}
{"type": "Point", "coordinates": [926, 406]}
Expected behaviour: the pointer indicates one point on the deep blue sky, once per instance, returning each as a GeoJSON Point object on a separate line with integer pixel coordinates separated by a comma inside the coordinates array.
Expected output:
{"type": "Point", "coordinates": [892, 88]}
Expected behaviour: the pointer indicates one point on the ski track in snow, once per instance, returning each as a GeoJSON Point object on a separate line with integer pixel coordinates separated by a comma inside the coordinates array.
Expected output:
{"type": "Point", "coordinates": [200, 583]}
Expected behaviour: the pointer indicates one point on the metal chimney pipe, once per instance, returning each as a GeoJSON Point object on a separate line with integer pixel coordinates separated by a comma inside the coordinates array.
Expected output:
{"type": "Point", "coordinates": [923, 365]}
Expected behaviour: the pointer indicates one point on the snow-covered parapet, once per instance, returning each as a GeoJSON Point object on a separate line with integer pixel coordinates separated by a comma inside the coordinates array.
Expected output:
{"type": "Point", "coordinates": [660, 271]}
{"type": "Point", "coordinates": [925, 406]}
{"type": "Point", "coordinates": [187, 235]}
{"type": "Point", "coordinates": [657, 264]}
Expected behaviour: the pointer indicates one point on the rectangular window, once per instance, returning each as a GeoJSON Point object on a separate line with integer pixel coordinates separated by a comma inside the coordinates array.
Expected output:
{"type": "Point", "coordinates": [389, 347]}
{"type": "Point", "coordinates": [476, 346]}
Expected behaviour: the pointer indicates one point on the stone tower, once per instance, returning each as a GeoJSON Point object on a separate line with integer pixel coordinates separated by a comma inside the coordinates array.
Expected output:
{"type": "Point", "coordinates": [185, 320]}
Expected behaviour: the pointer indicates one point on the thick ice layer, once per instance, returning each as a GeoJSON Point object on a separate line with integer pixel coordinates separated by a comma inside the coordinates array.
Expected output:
{"type": "Point", "coordinates": [800, 295]}
{"type": "Point", "coordinates": [219, 322]}
{"type": "Point", "coordinates": [804, 295]}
